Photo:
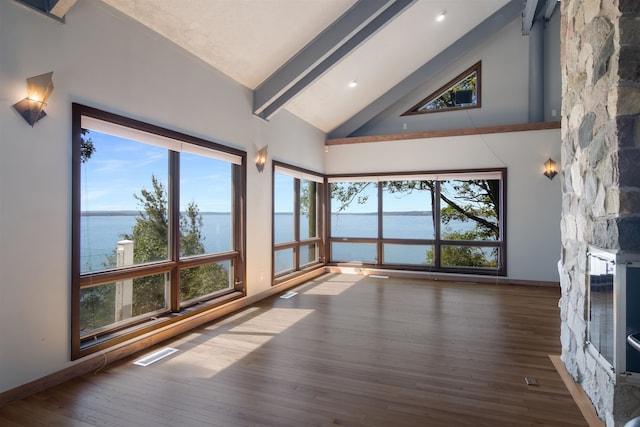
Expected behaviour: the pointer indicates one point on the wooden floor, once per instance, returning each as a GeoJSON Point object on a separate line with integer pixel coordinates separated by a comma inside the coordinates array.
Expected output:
{"type": "Point", "coordinates": [347, 350]}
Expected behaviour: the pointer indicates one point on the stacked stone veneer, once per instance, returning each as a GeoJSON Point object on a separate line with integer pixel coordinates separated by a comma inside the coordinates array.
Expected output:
{"type": "Point", "coordinates": [601, 173]}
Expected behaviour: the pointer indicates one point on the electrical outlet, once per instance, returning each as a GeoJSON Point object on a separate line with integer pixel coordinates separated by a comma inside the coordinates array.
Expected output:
{"type": "Point", "coordinates": [531, 381]}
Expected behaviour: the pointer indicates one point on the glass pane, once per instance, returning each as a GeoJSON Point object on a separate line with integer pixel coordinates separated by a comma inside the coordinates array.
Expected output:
{"type": "Point", "coordinates": [283, 203]}
{"type": "Point", "coordinates": [308, 209]}
{"type": "Point", "coordinates": [206, 196]}
{"type": "Point", "coordinates": [123, 198]}
{"type": "Point", "coordinates": [283, 261]}
{"type": "Point", "coordinates": [112, 303]}
{"type": "Point", "coordinates": [469, 210]}
{"type": "Point", "coordinates": [408, 254]}
{"type": "Point", "coordinates": [308, 254]}
{"type": "Point", "coordinates": [358, 252]}
{"type": "Point", "coordinates": [632, 287]}
{"type": "Point", "coordinates": [205, 279]}
{"type": "Point", "coordinates": [469, 256]}
{"type": "Point", "coordinates": [407, 210]}
{"type": "Point", "coordinates": [461, 94]}
{"type": "Point", "coordinates": [354, 209]}
{"type": "Point", "coordinates": [150, 293]}
{"type": "Point", "coordinates": [97, 307]}
{"type": "Point", "coordinates": [600, 327]}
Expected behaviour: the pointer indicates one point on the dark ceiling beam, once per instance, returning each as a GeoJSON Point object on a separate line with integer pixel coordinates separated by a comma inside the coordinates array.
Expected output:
{"type": "Point", "coordinates": [549, 8]}
{"type": "Point", "coordinates": [528, 15]}
{"type": "Point", "coordinates": [361, 21]}
{"type": "Point", "coordinates": [431, 69]}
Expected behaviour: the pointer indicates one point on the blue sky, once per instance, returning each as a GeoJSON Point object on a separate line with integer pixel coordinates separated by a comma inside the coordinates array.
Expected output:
{"type": "Point", "coordinates": [120, 168]}
{"type": "Point", "coordinates": [396, 202]}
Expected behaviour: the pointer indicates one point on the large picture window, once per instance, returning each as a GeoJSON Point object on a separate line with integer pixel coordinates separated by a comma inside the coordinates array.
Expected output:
{"type": "Point", "coordinates": [297, 220]}
{"type": "Point", "coordinates": [157, 227]}
{"type": "Point", "coordinates": [450, 222]}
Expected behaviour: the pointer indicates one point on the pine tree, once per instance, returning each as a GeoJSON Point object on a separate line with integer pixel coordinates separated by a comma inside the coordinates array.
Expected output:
{"type": "Point", "coordinates": [150, 235]}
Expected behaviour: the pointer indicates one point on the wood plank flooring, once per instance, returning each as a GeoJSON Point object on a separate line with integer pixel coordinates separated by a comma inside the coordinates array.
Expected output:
{"type": "Point", "coordinates": [347, 350]}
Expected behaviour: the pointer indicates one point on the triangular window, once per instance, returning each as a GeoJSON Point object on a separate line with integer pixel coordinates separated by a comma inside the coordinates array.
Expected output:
{"type": "Point", "coordinates": [462, 92]}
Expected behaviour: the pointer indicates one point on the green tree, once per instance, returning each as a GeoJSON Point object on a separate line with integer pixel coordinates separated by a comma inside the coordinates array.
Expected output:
{"type": "Point", "coordinates": [86, 146]}
{"type": "Point", "coordinates": [97, 306]}
{"type": "Point", "coordinates": [150, 235]}
{"type": "Point", "coordinates": [477, 201]}
{"type": "Point", "coordinates": [205, 279]}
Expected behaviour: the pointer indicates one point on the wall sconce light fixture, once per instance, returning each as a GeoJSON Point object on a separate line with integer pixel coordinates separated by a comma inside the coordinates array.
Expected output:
{"type": "Point", "coordinates": [550, 169]}
{"type": "Point", "coordinates": [38, 90]}
{"type": "Point", "coordinates": [261, 160]}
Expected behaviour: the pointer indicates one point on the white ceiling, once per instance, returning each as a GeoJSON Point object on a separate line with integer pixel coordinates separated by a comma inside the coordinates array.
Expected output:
{"type": "Point", "coordinates": [251, 39]}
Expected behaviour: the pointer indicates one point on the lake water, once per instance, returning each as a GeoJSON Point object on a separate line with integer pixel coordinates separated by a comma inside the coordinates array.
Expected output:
{"type": "Point", "coordinates": [100, 234]}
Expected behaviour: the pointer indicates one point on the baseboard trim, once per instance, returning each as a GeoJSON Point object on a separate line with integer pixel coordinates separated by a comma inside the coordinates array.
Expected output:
{"type": "Point", "coordinates": [578, 394]}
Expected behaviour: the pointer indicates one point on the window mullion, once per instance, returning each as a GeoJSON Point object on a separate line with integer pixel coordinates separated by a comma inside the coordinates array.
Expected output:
{"type": "Point", "coordinates": [436, 226]}
{"type": "Point", "coordinates": [174, 229]}
{"type": "Point", "coordinates": [379, 251]}
{"type": "Point", "coordinates": [239, 217]}
{"type": "Point", "coordinates": [296, 223]}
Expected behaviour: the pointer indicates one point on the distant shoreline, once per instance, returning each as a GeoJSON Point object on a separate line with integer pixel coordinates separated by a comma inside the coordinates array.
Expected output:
{"type": "Point", "coordinates": [134, 213]}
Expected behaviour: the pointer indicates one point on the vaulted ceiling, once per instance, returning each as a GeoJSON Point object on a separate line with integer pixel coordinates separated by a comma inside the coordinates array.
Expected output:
{"type": "Point", "coordinates": [302, 55]}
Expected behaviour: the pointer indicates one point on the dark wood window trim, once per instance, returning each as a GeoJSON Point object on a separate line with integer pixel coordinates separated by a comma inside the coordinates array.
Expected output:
{"type": "Point", "coordinates": [101, 339]}
{"type": "Point", "coordinates": [299, 268]}
{"type": "Point", "coordinates": [500, 244]}
{"type": "Point", "coordinates": [477, 68]}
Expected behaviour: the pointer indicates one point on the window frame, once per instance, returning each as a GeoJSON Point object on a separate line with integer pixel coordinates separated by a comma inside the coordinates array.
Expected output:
{"type": "Point", "coordinates": [298, 268]}
{"type": "Point", "coordinates": [437, 242]}
{"type": "Point", "coordinates": [108, 336]}
{"type": "Point", "coordinates": [477, 68]}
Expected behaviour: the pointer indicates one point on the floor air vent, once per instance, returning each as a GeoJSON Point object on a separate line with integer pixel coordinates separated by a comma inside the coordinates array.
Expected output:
{"type": "Point", "coordinates": [154, 357]}
{"type": "Point", "coordinates": [288, 295]}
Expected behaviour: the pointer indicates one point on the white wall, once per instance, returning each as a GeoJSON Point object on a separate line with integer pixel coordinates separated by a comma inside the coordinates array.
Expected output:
{"type": "Point", "coordinates": [505, 90]}
{"type": "Point", "coordinates": [105, 60]}
{"type": "Point", "coordinates": [533, 202]}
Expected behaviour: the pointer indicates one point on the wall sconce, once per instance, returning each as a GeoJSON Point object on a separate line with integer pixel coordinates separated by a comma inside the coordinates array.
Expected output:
{"type": "Point", "coordinates": [261, 160]}
{"type": "Point", "coordinates": [550, 169]}
{"type": "Point", "coordinates": [38, 90]}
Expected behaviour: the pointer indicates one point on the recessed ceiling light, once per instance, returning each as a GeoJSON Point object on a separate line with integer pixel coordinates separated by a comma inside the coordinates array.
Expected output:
{"type": "Point", "coordinates": [440, 16]}
{"type": "Point", "coordinates": [353, 83]}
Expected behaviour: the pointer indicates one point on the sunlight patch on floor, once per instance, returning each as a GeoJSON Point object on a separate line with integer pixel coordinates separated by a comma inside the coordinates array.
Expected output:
{"type": "Point", "coordinates": [223, 350]}
{"type": "Point", "coordinates": [334, 286]}
{"type": "Point", "coordinates": [272, 321]}
{"type": "Point", "coordinates": [329, 288]}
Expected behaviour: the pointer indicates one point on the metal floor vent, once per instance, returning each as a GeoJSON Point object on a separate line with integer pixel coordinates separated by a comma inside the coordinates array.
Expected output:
{"type": "Point", "coordinates": [289, 295]}
{"type": "Point", "coordinates": [154, 357]}
{"type": "Point", "coordinates": [378, 276]}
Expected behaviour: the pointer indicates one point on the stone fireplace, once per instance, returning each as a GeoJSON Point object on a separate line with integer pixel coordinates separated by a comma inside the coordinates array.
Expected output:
{"type": "Point", "coordinates": [600, 56]}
